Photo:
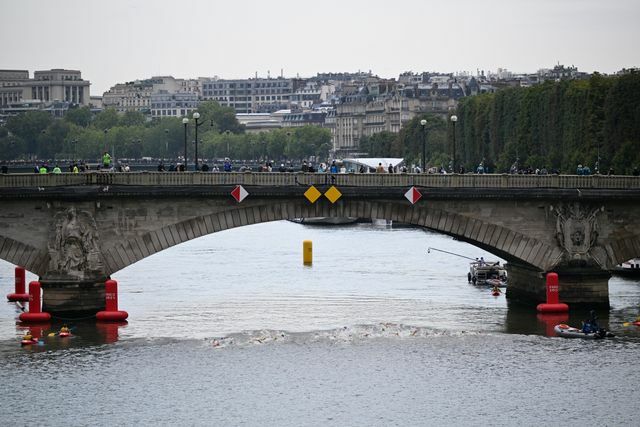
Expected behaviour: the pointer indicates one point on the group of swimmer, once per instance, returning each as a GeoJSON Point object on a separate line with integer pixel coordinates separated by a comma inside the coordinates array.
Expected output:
{"type": "Point", "coordinates": [28, 338]}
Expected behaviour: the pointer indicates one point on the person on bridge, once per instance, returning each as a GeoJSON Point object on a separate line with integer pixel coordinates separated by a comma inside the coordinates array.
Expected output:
{"type": "Point", "coordinates": [334, 167]}
{"type": "Point", "coordinates": [43, 169]}
{"type": "Point", "coordinates": [227, 165]}
{"type": "Point", "coordinates": [57, 169]}
{"type": "Point", "coordinates": [106, 160]}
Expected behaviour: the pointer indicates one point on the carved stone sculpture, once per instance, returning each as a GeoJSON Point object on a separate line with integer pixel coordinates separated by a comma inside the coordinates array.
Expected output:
{"type": "Point", "coordinates": [576, 229]}
{"type": "Point", "coordinates": [73, 246]}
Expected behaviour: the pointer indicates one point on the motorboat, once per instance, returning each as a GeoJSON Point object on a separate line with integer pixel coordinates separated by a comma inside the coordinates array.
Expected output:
{"type": "Point", "coordinates": [487, 273]}
{"type": "Point", "coordinates": [628, 268]}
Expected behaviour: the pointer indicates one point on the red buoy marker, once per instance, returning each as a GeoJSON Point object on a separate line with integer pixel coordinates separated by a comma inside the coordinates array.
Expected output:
{"type": "Point", "coordinates": [552, 305]}
{"type": "Point", "coordinates": [111, 312]}
{"type": "Point", "coordinates": [34, 315]}
{"type": "Point", "coordinates": [19, 294]}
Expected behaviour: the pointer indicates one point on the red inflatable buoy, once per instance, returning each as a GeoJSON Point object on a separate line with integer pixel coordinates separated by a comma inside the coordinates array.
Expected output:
{"type": "Point", "coordinates": [19, 294]}
{"type": "Point", "coordinates": [111, 312]}
{"type": "Point", "coordinates": [553, 305]}
{"type": "Point", "coordinates": [34, 315]}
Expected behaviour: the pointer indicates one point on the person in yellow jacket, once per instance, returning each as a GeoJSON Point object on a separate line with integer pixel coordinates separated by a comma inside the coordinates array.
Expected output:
{"type": "Point", "coordinates": [106, 160]}
{"type": "Point", "coordinates": [56, 169]}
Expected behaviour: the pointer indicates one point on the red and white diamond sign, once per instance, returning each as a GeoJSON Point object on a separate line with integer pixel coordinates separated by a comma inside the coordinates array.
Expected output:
{"type": "Point", "coordinates": [413, 195]}
{"type": "Point", "coordinates": [239, 193]}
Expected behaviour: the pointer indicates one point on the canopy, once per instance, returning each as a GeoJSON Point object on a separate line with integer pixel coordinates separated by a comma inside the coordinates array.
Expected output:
{"type": "Point", "coordinates": [371, 162]}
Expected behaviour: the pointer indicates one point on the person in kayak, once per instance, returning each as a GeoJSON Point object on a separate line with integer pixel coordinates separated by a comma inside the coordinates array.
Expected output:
{"type": "Point", "coordinates": [591, 324]}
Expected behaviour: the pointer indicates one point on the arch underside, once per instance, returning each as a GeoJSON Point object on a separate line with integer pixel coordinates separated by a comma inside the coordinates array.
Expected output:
{"type": "Point", "coordinates": [18, 253]}
{"type": "Point", "coordinates": [503, 242]}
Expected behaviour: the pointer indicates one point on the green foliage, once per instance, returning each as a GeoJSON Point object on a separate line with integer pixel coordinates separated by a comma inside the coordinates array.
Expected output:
{"type": "Point", "coordinates": [79, 116]}
{"type": "Point", "coordinates": [554, 125]}
{"type": "Point", "coordinates": [224, 118]}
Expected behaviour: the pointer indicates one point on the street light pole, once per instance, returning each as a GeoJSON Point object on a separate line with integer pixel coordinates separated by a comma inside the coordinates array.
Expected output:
{"type": "Point", "coordinates": [454, 119]}
{"type": "Point", "coordinates": [185, 122]}
{"type": "Point", "coordinates": [196, 116]}
{"type": "Point", "coordinates": [423, 122]}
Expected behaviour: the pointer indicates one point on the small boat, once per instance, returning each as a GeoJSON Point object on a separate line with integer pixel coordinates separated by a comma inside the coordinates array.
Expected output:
{"type": "Point", "coordinates": [567, 331]}
{"type": "Point", "coordinates": [325, 220]}
{"type": "Point", "coordinates": [628, 268]}
{"type": "Point", "coordinates": [64, 332]}
{"type": "Point", "coordinates": [496, 292]}
{"type": "Point", "coordinates": [487, 273]}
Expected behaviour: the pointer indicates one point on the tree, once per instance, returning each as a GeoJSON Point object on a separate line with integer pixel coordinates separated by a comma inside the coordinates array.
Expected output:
{"type": "Point", "coordinates": [79, 116]}
{"type": "Point", "coordinates": [224, 118]}
{"type": "Point", "coordinates": [106, 119]}
{"type": "Point", "coordinates": [132, 118]}
{"type": "Point", "coordinates": [30, 127]}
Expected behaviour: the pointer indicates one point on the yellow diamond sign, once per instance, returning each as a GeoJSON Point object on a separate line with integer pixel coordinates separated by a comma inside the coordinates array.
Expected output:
{"type": "Point", "coordinates": [312, 194]}
{"type": "Point", "coordinates": [333, 194]}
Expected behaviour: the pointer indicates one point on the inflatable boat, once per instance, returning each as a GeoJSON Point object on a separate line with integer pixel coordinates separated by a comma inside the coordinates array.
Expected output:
{"type": "Point", "coordinates": [567, 331]}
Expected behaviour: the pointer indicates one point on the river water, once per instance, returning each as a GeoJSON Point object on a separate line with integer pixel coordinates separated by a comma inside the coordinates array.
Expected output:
{"type": "Point", "coordinates": [232, 329]}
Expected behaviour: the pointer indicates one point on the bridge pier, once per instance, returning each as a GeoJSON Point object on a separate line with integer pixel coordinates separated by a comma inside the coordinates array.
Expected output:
{"type": "Point", "coordinates": [72, 300]}
{"type": "Point", "coordinates": [587, 286]}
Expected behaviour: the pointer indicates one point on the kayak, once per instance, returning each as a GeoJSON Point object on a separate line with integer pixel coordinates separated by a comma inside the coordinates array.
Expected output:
{"type": "Point", "coordinates": [567, 331]}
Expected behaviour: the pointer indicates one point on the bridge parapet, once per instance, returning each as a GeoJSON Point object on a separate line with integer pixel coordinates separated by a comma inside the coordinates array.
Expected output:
{"type": "Point", "coordinates": [349, 180]}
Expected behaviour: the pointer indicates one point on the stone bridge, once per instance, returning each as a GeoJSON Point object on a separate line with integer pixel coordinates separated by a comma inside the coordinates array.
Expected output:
{"type": "Point", "coordinates": [75, 230]}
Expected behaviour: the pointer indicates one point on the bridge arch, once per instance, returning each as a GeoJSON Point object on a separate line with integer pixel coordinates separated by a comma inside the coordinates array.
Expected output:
{"type": "Point", "coordinates": [504, 242]}
{"type": "Point", "coordinates": [620, 250]}
{"type": "Point", "coordinates": [23, 254]}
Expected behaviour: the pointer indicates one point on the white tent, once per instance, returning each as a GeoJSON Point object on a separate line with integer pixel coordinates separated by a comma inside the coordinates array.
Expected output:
{"type": "Point", "coordinates": [371, 163]}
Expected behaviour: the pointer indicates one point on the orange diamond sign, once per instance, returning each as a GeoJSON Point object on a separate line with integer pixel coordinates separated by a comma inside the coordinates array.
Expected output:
{"type": "Point", "coordinates": [333, 194]}
{"type": "Point", "coordinates": [312, 194]}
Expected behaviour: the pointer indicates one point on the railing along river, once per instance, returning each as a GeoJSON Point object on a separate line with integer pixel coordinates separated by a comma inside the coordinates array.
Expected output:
{"type": "Point", "coordinates": [293, 179]}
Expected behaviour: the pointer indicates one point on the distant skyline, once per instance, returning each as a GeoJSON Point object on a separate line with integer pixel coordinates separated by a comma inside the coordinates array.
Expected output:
{"type": "Point", "coordinates": [118, 40]}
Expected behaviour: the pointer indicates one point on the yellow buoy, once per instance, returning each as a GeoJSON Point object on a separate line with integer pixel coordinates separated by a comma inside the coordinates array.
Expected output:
{"type": "Point", "coordinates": [307, 252]}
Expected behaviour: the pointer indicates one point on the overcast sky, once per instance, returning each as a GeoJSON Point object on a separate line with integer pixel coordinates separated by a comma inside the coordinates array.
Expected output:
{"type": "Point", "coordinates": [115, 41]}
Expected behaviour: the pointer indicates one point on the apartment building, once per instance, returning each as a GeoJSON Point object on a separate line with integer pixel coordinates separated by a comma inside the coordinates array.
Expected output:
{"type": "Point", "coordinates": [137, 95]}
{"type": "Point", "coordinates": [257, 95]}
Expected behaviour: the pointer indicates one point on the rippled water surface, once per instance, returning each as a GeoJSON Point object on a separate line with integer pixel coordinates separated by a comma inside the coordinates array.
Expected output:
{"type": "Point", "coordinates": [232, 329]}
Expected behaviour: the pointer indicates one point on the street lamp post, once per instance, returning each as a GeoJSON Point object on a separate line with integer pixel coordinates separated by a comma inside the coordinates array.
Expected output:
{"type": "Point", "coordinates": [423, 122]}
{"type": "Point", "coordinates": [454, 119]}
{"type": "Point", "coordinates": [185, 122]}
{"type": "Point", "coordinates": [227, 132]}
{"type": "Point", "coordinates": [196, 116]}
{"type": "Point", "coordinates": [166, 144]}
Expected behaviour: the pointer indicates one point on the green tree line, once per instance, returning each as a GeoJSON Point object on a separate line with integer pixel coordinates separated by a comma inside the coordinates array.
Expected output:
{"type": "Point", "coordinates": [82, 135]}
{"type": "Point", "coordinates": [557, 125]}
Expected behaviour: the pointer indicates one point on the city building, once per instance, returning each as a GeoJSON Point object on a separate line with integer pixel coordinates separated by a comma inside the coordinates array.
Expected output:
{"type": "Point", "coordinates": [136, 95]}
{"type": "Point", "coordinates": [176, 104]}
{"type": "Point", "coordinates": [256, 95]}
{"type": "Point", "coordinates": [50, 86]}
